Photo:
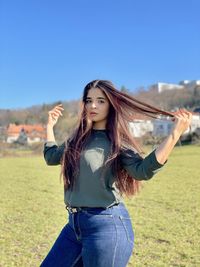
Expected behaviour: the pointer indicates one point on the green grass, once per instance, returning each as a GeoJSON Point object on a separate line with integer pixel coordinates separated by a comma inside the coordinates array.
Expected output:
{"type": "Point", "coordinates": [165, 215]}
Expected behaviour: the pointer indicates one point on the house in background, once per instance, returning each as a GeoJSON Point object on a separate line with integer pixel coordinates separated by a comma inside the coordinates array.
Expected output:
{"type": "Point", "coordinates": [24, 133]}
{"type": "Point", "coordinates": [190, 85]}
{"type": "Point", "coordinates": [141, 125]}
{"type": "Point", "coordinates": [162, 128]}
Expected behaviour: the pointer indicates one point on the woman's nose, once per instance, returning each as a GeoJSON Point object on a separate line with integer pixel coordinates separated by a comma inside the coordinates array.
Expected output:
{"type": "Point", "coordinates": [93, 105]}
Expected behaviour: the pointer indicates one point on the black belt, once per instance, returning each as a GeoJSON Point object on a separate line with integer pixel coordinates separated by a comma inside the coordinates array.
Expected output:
{"type": "Point", "coordinates": [77, 209]}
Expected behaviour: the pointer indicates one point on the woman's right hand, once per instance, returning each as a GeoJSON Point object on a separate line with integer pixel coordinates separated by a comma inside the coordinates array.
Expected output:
{"type": "Point", "coordinates": [54, 115]}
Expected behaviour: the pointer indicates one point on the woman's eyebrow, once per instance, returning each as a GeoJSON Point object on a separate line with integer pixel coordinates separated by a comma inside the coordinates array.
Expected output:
{"type": "Point", "coordinates": [100, 97]}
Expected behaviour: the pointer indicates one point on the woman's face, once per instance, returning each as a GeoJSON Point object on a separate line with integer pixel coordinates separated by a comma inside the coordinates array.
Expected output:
{"type": "Point", "coordinates": [97, 107]}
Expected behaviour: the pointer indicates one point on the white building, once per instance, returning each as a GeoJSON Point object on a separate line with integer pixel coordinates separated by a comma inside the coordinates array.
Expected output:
{"type": "Point", "coordinates": [190, 85]}
{"type": "Point", "coordinates": [141, 127]}
{"type": "Point", "coordinates": [168, 86]}
{"type": "Point", "coordinates": [163, 127]}
{"type": "Point", "coordinates": [160, 127]}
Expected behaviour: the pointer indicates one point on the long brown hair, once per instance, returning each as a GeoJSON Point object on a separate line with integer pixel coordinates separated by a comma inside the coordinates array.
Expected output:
{"type": "Point", "coordinates": [123, 108]}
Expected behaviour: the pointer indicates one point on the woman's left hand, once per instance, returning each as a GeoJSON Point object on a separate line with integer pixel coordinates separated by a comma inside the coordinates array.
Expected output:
{"type": "Point", "coordinates": [182, 120]}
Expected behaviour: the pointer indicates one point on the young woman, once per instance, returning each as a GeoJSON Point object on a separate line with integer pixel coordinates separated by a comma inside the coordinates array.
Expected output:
{"type": "Point", "coordinates": [101, 162]}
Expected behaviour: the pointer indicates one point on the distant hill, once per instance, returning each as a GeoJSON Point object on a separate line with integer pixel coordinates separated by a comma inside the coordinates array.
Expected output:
{"type": "Point", "coordinates": [167, 100]}
{"type": "Point", "coordinates": [39, 114]}
{"type": "Point", "coordinates": [171, 99]}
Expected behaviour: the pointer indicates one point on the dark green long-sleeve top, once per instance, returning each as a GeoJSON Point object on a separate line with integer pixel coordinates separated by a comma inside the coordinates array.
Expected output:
{"type": "Point", "coordinates": [90, 190]}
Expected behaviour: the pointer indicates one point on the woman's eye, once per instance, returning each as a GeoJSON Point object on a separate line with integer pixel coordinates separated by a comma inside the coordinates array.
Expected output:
{"type": "Point", "coordinates": [88, 101]}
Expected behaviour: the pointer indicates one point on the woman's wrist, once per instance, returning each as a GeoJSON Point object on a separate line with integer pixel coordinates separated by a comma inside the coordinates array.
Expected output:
{"type": "Point", "coordinates": [176, 133]}
{"type": "Point", "coordinates": [50, 133]}
{"type": "Point", "coordinates": [49, 126]}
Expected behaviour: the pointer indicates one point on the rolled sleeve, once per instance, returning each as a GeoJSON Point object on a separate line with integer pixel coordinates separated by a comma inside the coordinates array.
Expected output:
{"type": "Point", "coordinates": [53, 153]}
{"type": "Point", "coordinates": [140, 168]}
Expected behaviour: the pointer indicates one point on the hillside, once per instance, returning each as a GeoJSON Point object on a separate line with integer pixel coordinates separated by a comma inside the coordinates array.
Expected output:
{"type": "Point", "coordinates": [171, 99]}
{"type": "Point", "coordinates": [167, 100]}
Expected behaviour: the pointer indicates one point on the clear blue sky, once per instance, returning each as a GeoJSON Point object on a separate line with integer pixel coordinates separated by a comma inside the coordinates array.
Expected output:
{"type": "Point", "coordinates": [49, 49]}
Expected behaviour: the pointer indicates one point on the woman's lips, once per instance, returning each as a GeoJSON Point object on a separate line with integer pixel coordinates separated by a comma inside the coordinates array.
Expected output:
{"type": "Point", "coordinates": [93, 113]}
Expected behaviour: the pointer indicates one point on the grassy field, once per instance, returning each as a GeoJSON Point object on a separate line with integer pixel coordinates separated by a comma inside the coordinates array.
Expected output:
{"type": "Point", "coordinates": [165, 215]}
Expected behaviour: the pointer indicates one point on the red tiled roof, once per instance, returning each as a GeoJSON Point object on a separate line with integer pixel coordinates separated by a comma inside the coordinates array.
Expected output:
{"type": "Point", "coordinates": [31, 130]}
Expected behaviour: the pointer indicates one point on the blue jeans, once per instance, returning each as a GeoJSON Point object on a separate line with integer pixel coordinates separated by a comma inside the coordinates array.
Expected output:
{"type": "Point", "coordinates": [94, 237]}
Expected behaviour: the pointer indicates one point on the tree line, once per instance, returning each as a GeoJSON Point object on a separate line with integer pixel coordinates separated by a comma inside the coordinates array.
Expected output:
{"type": "Point", "coordinates": [167, 100]}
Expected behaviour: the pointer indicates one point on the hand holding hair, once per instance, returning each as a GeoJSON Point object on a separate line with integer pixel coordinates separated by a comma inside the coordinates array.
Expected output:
{"type": "Point", "coordinates": [182, 120]}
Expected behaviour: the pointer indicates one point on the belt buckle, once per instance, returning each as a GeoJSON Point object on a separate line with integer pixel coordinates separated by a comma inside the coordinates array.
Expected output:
{"type": "Point", "coordinates": [71, 210]}
{"type": "Point", "coordinates": [74, 210]}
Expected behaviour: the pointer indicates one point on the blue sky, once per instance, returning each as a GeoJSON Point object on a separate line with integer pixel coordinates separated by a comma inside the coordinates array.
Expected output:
{"type": "Point", "coordinates": [50, 49]}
